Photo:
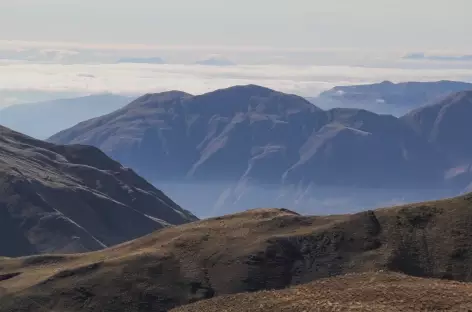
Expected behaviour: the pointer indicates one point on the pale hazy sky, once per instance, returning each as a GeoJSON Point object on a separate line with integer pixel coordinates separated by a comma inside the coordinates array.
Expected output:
{"type": "Point", "coordinates": [54, 47]}
{"type": "Point", "coordinates": [372, 24]}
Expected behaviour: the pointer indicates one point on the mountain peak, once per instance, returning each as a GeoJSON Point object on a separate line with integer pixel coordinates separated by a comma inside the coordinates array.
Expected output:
{"type": "Point", "coordinates": [245, 98]}
{"type": "Point", "coordinates": [167, 95]}
{"type": "Point", "coordinates": [251, 88]}
{"type": "Point", "coordinates": [150, 99]}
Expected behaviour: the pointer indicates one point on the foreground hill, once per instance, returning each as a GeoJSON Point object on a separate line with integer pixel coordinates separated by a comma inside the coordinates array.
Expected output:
{"type": "Point", "coordinates": [252, 133]}
{"type": "Point", "coordinates": [251, 251]}
{"type": "Point", "coordinates": [389, 97]}
{"type": "Point", "coordinates": [41, 120]}
{"type": "Point", "coordinates": [376, 292]}
{"type": "Point", "coordinates": [58, 199]}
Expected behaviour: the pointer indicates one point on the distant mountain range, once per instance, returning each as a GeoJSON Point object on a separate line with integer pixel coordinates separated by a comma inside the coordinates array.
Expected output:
{"type": "Point", "coordinates": [43, 119]}
{"type": "Point", "coordinates": [215, 61]}
{"type": "Point", "coordinates": [143, 60]}
{"type": "Point", "coordinates": [152, 150]}
{"type": "Point", "coordinates": [253, 134]}
{"type": "Point", "coordinates": [387, 97]}
{"type": "Point", "coordinates": [65, 199]}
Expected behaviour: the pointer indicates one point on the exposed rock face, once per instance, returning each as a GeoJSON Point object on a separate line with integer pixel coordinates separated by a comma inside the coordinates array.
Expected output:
{"type": "Point", "coordinates": [61, 199]}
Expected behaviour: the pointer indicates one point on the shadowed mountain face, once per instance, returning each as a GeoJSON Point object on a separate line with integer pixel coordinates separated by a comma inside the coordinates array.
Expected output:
{"type": "Point", "coordinates": [250, 133]}
{"type": "Point", "coordinates": [447, 126]}
{"type": "Point", "coordinates": [389, 98]}
{"type": "Point", "coordinates": [246, 252]}
{"type": "Point", "coordinates": [57, 199]}
{"type": "Point", "coordinates": [41, 120]}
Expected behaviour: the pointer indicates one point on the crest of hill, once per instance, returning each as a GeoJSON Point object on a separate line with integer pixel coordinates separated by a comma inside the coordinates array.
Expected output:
{"type": "Point", "coordinates": [64, 199]}
{"type": "Point", "coordinates": [263, 249]}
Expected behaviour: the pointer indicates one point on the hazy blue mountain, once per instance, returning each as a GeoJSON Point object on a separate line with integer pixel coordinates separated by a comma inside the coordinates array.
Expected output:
{"type": "Point", "coordinates": [43, 119]}
{"type": "Point", "coordinates": [447, 126]}
{"type": "Point", "coordinates": [424, 56]}
{"type": "Point", "coordinates": [215, 61]}
{"type": "Point", "coordinates": [144, 60]}
{"type": "Point", "coordinates": [257, 135]}
{"type": "Point", "coordinates": [66, 199]}
{"type": "Point", "coordinates": [14, 97]}
{"type": "Point", "coordinates": [387, 97]}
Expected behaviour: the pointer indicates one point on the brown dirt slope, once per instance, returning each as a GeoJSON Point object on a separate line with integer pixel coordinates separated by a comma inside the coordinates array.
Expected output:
{"type": "Point", "coordinates": [376, 292]}
{"type": "Point", "coordinates": [256, 250]}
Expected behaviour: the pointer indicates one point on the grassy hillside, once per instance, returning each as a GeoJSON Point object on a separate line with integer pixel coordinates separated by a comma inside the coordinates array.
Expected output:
{"type": "Point", "coordinates": [251, 251]}
{"type": "Point", "coordinates": [376, 292]}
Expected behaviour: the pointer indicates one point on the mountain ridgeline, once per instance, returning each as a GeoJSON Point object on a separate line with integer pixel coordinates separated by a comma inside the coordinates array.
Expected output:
{"type": "Point", "coordinates": [251, 133]}
{"type": "Point", "coordinates": [390, 98]}
{"type": "Point", "coordinates": [43, 119]}
{"type": "Point", "coordinates": [66, 199]}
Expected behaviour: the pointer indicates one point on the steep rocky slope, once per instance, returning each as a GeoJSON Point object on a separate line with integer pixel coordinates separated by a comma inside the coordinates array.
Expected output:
{"type": "Point", "coordinates": [57, 199]}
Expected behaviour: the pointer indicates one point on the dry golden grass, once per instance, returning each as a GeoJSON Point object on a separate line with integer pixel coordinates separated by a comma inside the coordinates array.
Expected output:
{"type": "Point", "coordinates": [376, 292]}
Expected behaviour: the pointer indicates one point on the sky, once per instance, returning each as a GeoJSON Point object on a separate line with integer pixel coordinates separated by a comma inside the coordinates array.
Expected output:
{"type": "Point", "coordinates": [418, 24]}
{"type": "Point", "coordinates": [51, 48]}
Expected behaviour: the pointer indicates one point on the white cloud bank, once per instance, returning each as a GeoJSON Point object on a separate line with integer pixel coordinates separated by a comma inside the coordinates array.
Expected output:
{"type": "Point", "coordinates": [197, 79]}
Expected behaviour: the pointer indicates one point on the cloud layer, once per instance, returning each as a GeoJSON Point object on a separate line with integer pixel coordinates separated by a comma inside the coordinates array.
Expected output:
{"type": "Point", "coordinates": [197, 79]}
